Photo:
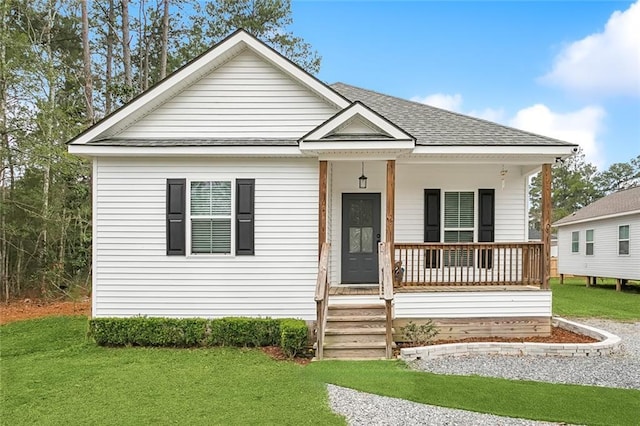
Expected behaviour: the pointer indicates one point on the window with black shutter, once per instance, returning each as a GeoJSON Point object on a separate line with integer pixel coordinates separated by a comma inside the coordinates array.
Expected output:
{"type": "Point", "coordinates": [176, 197]}
{"type": "Point", "coordinates": [245, 226]}
{"type": "Point", "coordinates": [432, 226]}
{"type": "Point", "coordinates": [486, 225]}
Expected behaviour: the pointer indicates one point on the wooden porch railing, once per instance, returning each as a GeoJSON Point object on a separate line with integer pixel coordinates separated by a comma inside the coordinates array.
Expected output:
{"type": "Point", "coordinates": [386, 293]}
{"type": "Point", "coordinates": [322, 297]}
{"type": "Point", "coordinates": [465, 264]}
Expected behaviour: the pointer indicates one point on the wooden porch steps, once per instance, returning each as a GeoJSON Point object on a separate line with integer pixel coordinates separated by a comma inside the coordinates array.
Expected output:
{"type": "Point", "coordinates": [355, 331]}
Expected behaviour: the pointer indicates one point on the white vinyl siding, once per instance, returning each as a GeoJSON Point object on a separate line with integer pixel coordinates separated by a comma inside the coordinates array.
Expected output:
{"type": "Point", "coordinates": [473, 304]}
{"type": "Point", "coordinates": [134, 276]}
{"type": "Point", "coordinates": [210, 211]}
{"type": "Point", "coordinates": [245, 98]}
{"type": "Point", "coordinates": [575, 242]}
{"type": "Point", "coordinates": [589, 243]}
{"type": "Point", "coordinates": [623, 240]}
{"type": "Point", "coordinates": [606, 260]}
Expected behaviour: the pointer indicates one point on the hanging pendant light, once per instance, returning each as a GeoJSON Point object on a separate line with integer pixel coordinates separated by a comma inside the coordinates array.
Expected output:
{"type": "Point", "coordinates": [362, 180]}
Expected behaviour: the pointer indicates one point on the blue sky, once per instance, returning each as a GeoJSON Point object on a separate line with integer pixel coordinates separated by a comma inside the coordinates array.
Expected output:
{"type": "Point", "coordinates": [570, 70]}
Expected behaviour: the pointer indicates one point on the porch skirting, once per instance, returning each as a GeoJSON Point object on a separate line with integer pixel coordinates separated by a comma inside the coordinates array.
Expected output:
{"type": "Point", "coordinates": [463, 328]}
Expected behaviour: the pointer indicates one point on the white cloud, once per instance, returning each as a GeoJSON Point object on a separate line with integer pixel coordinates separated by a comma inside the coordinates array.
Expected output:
{"type": "Point", "coordinates": [581, 127]}
{"type": "Point", "coordinates": [606, 62]}
{"type": "Point", "coordinates": [441, 100]}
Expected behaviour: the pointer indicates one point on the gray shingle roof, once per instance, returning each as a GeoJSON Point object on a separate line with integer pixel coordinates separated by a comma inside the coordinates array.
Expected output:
{"type": "Point", "coordinates": [435, 126]}
{"type": "Point", "coordinates": [627, 200]}
{"type": "Point", "coordinates": [195, 142]}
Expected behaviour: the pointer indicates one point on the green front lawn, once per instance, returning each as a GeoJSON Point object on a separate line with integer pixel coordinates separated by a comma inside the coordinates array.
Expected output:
{"type": "Point", "coordinates": [574, 299]}
{"type": "Point", "coordinates": [51, 375]}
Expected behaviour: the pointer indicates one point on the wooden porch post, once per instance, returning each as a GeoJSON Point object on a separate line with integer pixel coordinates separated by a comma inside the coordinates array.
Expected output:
{"type": "Point", "coordinates": [391, 203]}
{"type": "Point", "coordinates": [322, 206]}
{"type": "Point", "coordinates": [546, 224]}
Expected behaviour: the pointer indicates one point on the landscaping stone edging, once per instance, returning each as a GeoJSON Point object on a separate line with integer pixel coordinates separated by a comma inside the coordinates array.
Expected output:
{"type": "Point", "coordinates": [607, 344]}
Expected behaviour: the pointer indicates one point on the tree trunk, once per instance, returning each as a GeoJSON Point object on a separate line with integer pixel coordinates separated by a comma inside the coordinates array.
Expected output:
{"type": "Point", "coordinates": [126, 47]}
{"type": "Point", "coordinates": [6, 162]}
{"type": "Point", "coordinates": [86, 59]}
{"type": "Point", "coordinates": [109, 59]}
{"type": "Point", "coordinates": [165, 40]}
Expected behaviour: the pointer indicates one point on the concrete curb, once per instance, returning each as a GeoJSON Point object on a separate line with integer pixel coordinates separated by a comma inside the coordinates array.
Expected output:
{"type": "Point", "coordinates": [608, 343]}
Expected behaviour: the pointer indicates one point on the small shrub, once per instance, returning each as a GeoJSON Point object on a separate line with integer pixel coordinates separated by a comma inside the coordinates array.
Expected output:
{"type": "Point", "coordinates": [242, 331]}
{"type": "Point", "coordinates": [293, 336]}
{"type": "Point", "coordinates": [419, 334]}
{"type": "Point", "coordinates": [144, 331]}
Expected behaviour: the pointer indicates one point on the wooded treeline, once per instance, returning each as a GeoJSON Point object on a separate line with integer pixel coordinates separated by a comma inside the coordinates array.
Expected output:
{"type": "Point", "coordinates": [65, 64]}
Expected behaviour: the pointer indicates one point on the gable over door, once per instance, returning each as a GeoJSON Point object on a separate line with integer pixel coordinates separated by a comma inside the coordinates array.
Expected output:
{"type": "Point", "coordinates": [360, 237]}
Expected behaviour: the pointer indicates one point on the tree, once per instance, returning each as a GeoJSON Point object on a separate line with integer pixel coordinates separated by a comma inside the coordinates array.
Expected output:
{"type": "Point", "coordinates": [86, 59]}
{"type": "Point", "coordinates": [620, 176]}
{"type": "Point", "coordinates": [265, 19]}
{"type": "Point", "coordinates": [572, 187]}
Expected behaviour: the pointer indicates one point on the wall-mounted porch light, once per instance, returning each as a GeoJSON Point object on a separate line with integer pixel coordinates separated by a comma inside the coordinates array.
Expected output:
{"type": "Point", "coordinates": [362, 180]}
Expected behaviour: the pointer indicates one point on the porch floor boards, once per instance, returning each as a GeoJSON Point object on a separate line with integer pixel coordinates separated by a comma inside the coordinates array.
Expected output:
{"type": "Point", "coordinates": [346, 290]}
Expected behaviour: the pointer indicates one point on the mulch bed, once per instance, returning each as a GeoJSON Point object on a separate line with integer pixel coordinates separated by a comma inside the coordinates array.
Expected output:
{"type": "Point", "coordinates": [28, 309]}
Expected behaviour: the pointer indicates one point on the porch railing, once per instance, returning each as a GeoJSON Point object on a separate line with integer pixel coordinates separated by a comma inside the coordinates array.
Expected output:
{"type": "Point", "coordinates": [465, 264]}
{"type": "Point", "coordinates": [322, 297]}
{"type": "Point", "coordinates": [386, 274]}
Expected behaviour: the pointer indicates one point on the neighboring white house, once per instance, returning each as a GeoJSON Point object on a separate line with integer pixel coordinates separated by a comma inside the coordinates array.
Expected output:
{"type": "Point", "coordinates": [214, 190]}
{"type": "Point", "coordinates": [603, 238]}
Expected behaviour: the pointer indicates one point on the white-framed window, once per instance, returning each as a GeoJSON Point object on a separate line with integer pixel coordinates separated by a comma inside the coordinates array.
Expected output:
{"type": "Point", "coordinates": [589, 242]}
{"type": "Point", "coordinates": [210, 216]}
{"type": "Point", "coordinates": [458, 226]}
{"type": "Point", "coordinates": [623, 240]}
{"type": "Point", "coordinates": [575, 242]}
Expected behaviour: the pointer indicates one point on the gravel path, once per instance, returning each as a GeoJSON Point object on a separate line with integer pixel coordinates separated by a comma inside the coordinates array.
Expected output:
{"type": "Point", "coordinates": [620, 370]}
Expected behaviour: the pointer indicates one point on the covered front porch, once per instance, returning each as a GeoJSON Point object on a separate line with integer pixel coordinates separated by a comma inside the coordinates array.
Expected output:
{"type": "Point", "coordinates": [387, 245]}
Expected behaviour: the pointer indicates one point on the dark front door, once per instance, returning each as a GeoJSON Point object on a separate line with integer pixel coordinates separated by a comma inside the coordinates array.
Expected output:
{"type": "Point", "coordinates": [360, 237]}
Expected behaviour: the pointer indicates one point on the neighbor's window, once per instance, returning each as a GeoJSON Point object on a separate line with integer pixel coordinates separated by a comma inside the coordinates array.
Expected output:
{"type": "Point", "coordinates": [575, 242]}
{"type": "Point", "coordinates": [589, 240]}
{"type": "Point", "coordinates": [623, 239]}
{"type": "Point", "coordinates": [458, 226]}
{"type": "Point", "coordinates": [211, 217]}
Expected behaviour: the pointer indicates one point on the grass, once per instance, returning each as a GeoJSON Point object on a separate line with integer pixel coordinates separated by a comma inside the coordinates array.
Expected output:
{"type": "Point", "coordinates": [574, 299]}
{"type": "Point", "coordinates": [514, 398]}
{"type": "Point", "coordinates": [51, 375]}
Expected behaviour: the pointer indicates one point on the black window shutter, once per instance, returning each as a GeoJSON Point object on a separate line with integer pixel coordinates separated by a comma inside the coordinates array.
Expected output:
{"type": "Point", "coordinates": [245, 222]}
{"type": "Point", "coordinates": [176, 197]}
{"type": "Point", "coordinates": [432, 225]}
{"type": "Point", "coordinates": [486, 224]}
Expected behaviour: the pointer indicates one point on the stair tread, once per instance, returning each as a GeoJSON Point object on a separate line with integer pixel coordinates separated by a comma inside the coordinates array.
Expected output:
{"type": "Point", "coordinates": [339, 306]}
{"type": "Point", "coordinates": [356, 318]}
{"type": "Point", "coordinates": [351, 330]}
{"type": "Point", "coordinates": [355, 345]}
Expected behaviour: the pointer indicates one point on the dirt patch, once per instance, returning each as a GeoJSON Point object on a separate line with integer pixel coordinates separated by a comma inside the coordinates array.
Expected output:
{"type": "Point", "coordinates": [275, 352]}
{"type": "Point", "coordinates": [28, 309]}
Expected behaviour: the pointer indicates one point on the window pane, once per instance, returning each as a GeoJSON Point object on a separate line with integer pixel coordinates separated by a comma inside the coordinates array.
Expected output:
{"type": "Point", "coordinates": [466, 210]}
{"type": "Point", "coordinates": [221, 198]}
{"type": "Point", "coordinates": [623, 247]}
{"type": "Point", "coordinates": [354, 240]}
{"type": "Point", "coordinates": [451, 210]}
{"type": "Point", "coordinates": [200, 198]}
{"type": "Point", "coordinates": [211, 235]}
{"type": "Point", "coordinates": [590, 235]}
{"type": "Point", "coordinates": [589, 249]}
{"type": "Point", "coordinates": [210, 198]}
{"type": "Point", "coordinates": [367, 240]}
{"type": "Point", "coordinates": [623, 232]}
{"type": "Point", "coordinates": [575, 242]}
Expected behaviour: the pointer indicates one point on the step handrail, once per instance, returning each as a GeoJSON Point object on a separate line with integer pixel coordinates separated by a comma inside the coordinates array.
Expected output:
{"type": "Point", "coordinates": [322, 297]}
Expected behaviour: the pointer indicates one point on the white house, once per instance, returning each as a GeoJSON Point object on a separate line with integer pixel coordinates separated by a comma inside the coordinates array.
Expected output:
{"type": "Point", "coordinates": [602, 239]}
{"type": "Point", "coordinates": [215, 190]}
